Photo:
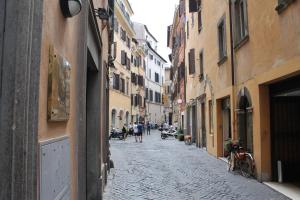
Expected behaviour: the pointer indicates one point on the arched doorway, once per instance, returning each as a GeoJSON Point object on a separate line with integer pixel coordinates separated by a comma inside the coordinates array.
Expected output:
{"type": "Point", "coordinates": [121, 117]}
{"type": "Point", "coordinates": [245, 120]}
{"type": "Point", "coordinates": [113, 118]}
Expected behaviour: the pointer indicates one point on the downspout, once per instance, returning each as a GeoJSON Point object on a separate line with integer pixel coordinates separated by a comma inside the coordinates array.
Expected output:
{"type": "Point", "coordinates": [234, 134]}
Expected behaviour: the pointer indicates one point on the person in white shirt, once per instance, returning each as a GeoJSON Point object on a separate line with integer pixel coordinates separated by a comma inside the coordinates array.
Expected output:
{"type": "Point", "coordinates": [135, 131]}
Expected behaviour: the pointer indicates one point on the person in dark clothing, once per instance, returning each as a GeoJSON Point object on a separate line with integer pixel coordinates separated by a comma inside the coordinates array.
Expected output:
{"type": "Point", "coordinates": [140, 132]}
{"type": "Point", "coordinates": [148, 128]}
{"type": "Point", "coordinates": [124, 132]}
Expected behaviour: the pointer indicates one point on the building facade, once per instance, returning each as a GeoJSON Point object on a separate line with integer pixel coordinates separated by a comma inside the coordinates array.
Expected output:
{"type": "Point", "coordinates": [138, 107]}
{"type": "Point", "coordinates": [53, 94]}
{"type": "Point", "coordinates": [120, 72]}
{"type": "Point", "coordinates": [167, 97]}
{"type": "Point", "coordinates": [243, 80]}
{"type": "Point", "coordinates": [154, 74]}
{"type": "Point", "coordinates": [176, 41]}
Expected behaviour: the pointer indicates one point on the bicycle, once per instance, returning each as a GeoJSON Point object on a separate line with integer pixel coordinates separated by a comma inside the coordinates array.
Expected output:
{"type": "Point", "coordinates": [242, 160]}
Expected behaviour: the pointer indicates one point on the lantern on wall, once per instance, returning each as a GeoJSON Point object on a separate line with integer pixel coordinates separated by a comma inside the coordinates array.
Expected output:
{"type": "Point", "coordinates": [70, 8]}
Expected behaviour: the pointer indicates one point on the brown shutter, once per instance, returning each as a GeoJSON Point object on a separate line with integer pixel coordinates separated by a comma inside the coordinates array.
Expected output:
{"type": "Point", "coordinates": [192, 61]}
{"type": "Point", "coordinates": [115, 50]}
{"type": "Point", "coordinates": [123, 57]}
{"type": "Point", "coordinates": [117, 81]}
{"type": "Point", "coordinates": [128, 63]}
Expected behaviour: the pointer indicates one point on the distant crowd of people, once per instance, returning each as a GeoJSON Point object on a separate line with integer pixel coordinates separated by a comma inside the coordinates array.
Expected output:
{"type": "Point", "coordinates": [137, 130]}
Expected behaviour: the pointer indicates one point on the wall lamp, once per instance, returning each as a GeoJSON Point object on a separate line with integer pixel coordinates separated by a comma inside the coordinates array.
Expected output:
{"type": "Point", "coordinates": [70, 8]}
{"type": "Point", "coordinates": [102, 14]}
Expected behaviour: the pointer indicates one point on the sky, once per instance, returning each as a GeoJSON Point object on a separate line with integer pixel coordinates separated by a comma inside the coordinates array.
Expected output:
{"type": "Point", "coordinates": [157, 15]}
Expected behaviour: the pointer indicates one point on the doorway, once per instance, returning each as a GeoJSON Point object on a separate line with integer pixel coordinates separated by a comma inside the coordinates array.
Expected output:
{"type": "Point", "coordinates": [203, 126]}
{"type": "Point", "coordinates": [93, 139]}
{"type": "Point", "coordinates": [226, 124]}
{"type": "Point", "coordinates": [285, 130]}
{"type": "Point", "coordinates": [244, 120]}
{"type": "Point", "coordinates": [194, 124]}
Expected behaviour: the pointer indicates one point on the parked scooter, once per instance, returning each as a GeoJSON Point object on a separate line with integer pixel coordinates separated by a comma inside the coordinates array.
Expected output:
{"type": "Point", "coordinates": [168, 133]}
{"type": "Point", "coordinates": [116, 133]}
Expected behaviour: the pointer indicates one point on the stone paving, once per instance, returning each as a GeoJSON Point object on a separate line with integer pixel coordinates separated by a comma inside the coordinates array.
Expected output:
{"type": "Point", "coordinates": [168, 169]}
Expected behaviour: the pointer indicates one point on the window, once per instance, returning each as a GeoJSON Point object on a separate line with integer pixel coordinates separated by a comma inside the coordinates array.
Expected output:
{"type": "Point", "coordinates": [199, 15]}
{"type": "Point", "coordinates": [123, 57]}
{"type": "Point", "coordinates": [193, 5]}
{"type": "Point", "coordinates": [116, 25]}
{"type": "Point", "coordinates": [147, 94]}
{"type": "Point", "coordinates": [241, 21]}
{"type": "Point", "coordinates": [127, 87]}
{"type": "Point", "coordinates": [116, 81]}
{"type": "Point", "coordinates": [150, 73]}
{"type": "Point", "coordinates": [114, 50]}
{"type": "Point", "coordinates": [158, 63]}
{"type": "Point", "coordinates": [192, 61]}
{"type": "Point", "coordinates": [151, 56]}
{"type": "Point", "coordinates": [157, 97]}
{"type": "Point", "coordinates": [127, 63]}
{"type": "Point", "coordinates": [222, 40]}
{"type": "Point", "coordinates": [128, 42]}
{"type": "Point", "coordinates": [123, 35]}
{"type": "Point", "coordinates": [122, 85]}
{"type": "Point", "coordinates": [201, 63]}
{"type": "Point", "coordinates": [156, 77]}
{"type": "Point", "coordinates": [113, 118]}
{"type": "Point", "coordinates": [151, 95]}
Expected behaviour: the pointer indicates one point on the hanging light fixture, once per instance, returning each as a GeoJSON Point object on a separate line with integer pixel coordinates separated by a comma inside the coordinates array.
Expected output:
{"type": "Point", "coordinates": [70, 8]}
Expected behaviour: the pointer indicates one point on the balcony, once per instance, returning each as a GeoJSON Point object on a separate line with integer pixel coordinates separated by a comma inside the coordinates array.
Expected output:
{"type": "Point", "coordinates": [125, 14]}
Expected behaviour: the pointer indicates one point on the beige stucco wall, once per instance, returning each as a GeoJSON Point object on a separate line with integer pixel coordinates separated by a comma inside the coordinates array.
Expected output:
{"type": "Point", "coordinates": [272, 53]}
{"type": "Point", "coordinates": [117, 100]}
{"type": "Point", "coordinates": [66, 35]}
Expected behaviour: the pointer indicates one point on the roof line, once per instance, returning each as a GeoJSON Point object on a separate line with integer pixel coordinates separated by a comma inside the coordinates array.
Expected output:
{"type": "Point", "coordinates": [148, 44]}
{"type": "Point", "coordinates": [146, 28]}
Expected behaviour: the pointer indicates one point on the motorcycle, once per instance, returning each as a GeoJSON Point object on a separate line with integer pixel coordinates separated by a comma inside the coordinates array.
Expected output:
{"type": "Point", "coordinates": [116, 133]}
{"type": "Point", "coordinates": [167, 133]}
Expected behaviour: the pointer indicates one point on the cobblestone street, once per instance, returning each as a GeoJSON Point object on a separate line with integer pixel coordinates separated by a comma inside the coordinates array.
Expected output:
{"type": "Point", "coordinates": [169, 169]}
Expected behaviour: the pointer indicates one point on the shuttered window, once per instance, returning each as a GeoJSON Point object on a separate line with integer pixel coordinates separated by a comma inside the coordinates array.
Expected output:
{"type": "Point", "coordinates": [192, 61]}
{"type": "Point", "coordinates": [128, 63]}
{"type": "Point", "coordinates": [222, 39]}
{"type": "Point", "coordinates": [156, 77]}
{"type": "Point", "coordinates": [201, 62]}
{"type": "Point", "coordinates": [117, 82]}
{"type": "Point", "coordinates": [123, 57]}
{"type": "Point", "coordinates": [114, 50]}
{"type": "Point", "coordinates": [199, 16]}
{"type": "Point", "coordinates": [151, 95]}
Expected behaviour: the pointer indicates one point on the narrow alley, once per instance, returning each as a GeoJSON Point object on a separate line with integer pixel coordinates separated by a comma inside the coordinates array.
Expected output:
{"type": "Point", "coordinates": [169, 169]}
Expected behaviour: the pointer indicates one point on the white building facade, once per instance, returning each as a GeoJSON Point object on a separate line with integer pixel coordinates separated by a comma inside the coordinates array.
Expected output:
{"type": "Point", "coordinates": [154, 79]}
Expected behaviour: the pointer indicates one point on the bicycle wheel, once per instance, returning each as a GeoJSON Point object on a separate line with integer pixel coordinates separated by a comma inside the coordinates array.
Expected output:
{"type": "Point", "coordinates": [246, 166]}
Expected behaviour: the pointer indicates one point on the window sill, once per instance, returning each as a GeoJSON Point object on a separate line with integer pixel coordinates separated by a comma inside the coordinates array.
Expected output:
{"type": "Point", "coordinates": [283, 6]}
{"type": "Point", "coordinates": [241, 43]}
{"type": "Point", "coordinates": [222, 60]}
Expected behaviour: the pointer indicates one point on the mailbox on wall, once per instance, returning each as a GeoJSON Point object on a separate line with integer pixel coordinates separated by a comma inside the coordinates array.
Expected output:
{"type": "Point", "coordinates": [58, 87]}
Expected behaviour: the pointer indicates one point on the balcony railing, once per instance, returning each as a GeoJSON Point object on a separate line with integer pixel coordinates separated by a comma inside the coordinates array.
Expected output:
{"type": "Point", "coordinates": [126, 15]}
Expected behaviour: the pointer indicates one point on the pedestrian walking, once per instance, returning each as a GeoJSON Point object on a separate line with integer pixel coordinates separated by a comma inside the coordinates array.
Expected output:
{"type": "Point", "coordinates": [124, 132]}
{"type": "Point", "coordinates": [130, 129]}
{"type": "Point", "coordinates": [135, 131]}
{"type": "Point", "coordinates": [148, 128]}
{"type": "Point", "coordinates": [140, 132]}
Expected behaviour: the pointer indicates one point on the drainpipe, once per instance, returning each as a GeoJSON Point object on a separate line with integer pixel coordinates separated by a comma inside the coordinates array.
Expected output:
{"type": "Point", "coordinates": [232, 69]}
